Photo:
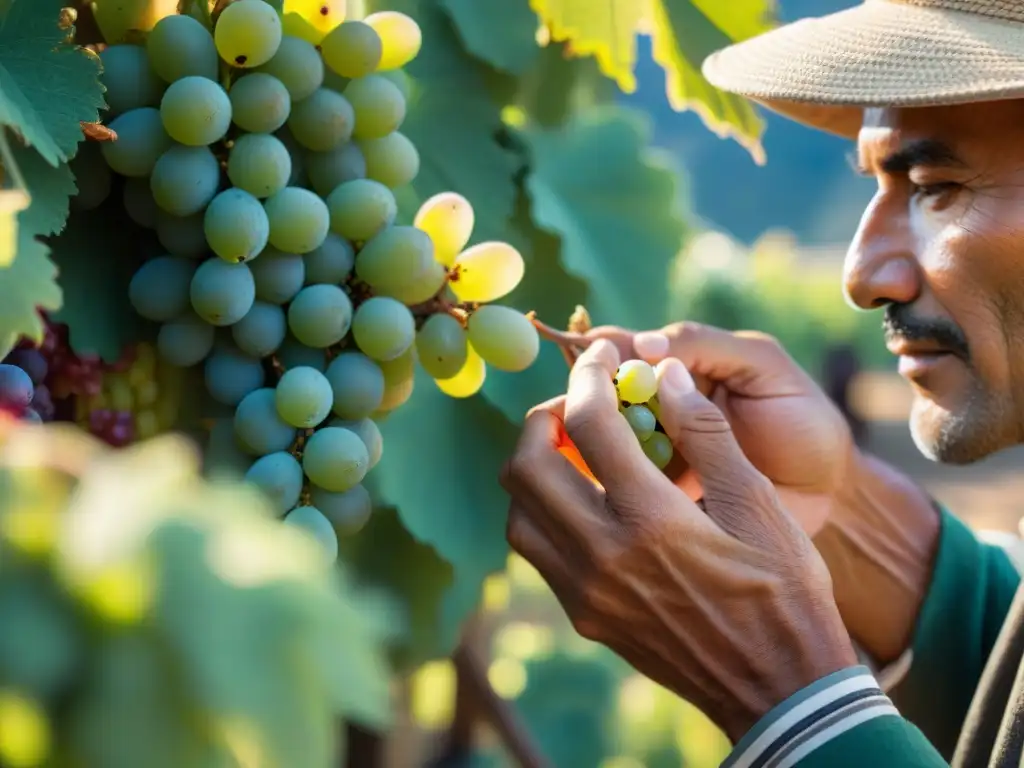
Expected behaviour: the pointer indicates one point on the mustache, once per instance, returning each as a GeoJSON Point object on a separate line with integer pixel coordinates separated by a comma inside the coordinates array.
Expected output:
{"type": "Point", "coordinates": [900, 323]}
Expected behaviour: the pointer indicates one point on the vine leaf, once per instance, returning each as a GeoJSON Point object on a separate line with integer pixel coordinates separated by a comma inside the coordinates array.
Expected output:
{"type": "Point", "coordinates": [98, 253]}
{"type": "Point", "coordinates": [501, 32]}
{"type": "Point", "coordinates": [51, 188]}
{"type": "Point", "coordinates": [30, 282]}
{"type": "Point", "coordinates": [443, 458]}
{"type": "Point", "coordinates": [683, 33]}
{"type": "Point", "coordinates": [453, 121]}
{"type": "Point", "coordinates": [48, 86]}
{"type": "Point", "coordinates": [419, 586]}
{"type": "Point", "coordinates": [597, 186]}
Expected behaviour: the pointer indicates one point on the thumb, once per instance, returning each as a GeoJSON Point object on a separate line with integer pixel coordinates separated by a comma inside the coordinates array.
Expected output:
{"type": "Point", "coordinates": [735, 493]}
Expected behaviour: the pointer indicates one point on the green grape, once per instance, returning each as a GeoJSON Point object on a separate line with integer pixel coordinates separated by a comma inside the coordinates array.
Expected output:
{"type": "Point", "coordinates": [262, 330]}
{"type": "Point", "coordinates": [348, 511]}
{"type": "Point", "coordinates": [230, 375]}
{"type": "Point", "coordinates": [469, 380]}
{"type": "Point", "coordinates": [92, 177]}
{"type": "Point", "coordinates": [360, 209]}
{"type": "Point", "coordinates": [298, 65]}
{"type": "Point", "coordinates": [421, 288]}
{"type": "Point", "coordinates": [641, 421]}
{"type": "Point", "coordinates": [181, 235]}
{"type": "Point", "coordinates": [487, 272]}
{"type": "Point", "coordinates": [312, 521]}
{"type": "Point", "coordinates": [279, 276]}
{"type": "Point", "coordinates": [383, 328]}
{"type": "Point", "coordinates": [392, 160]}
{"type": "Point", "coordinates": [328, 170]}
{"type": "Point", "coordinates": [320, 315]}
{"type": "Point", "coordinates": [196, 111]}
{"type": "Point", "coordinates": [138, 202]}
{"type": "Point", "coordinates": [335, 82]}
{"type": "Point", "coordinates": [129, 79]}
{"type": "Point", "coordinates": [180, 46]}
{"type": "Point", "coordinates": [322, 121]}
{"type": "Point", "coordinates": [448, 220]}
{"type": "Point", "coordinates": [259, 103]}
{"type": "Point", "coordinates": [258, 427]}
{"type": "Point", "coordinates": [368, 432]}
{"type": "Point", "coordinates": [159, 290]}
{"type": "Point", "coordinates": [357, 383]}
{"type": "Point", "coordinates": [185, 179]}
{"type": "Point", "coordinates": [399, 380]}
{"type": "Point", "coordinates": [401, 81]}
{"type": "Point", "coordinates": [335, 459]}
{"type": "Point", "coordinates": [298, 153]}
{"type": "Point", "coordinates": [221, 292]}
{"type": "Point", "coordinates": [259, 164]}
{"type": "Point", "coordinates": [441, 346]}
{"type": "Point", "coordinates": [655, 405]}
{"type": "Point", "coordinates": [400, 38]}
{"type": "Point", "coordinates": [279, 476]}
{"type": "Point", "coordinates": [378, 105]}
{"type": "Point", "coordinates": [236, 226]}
{"type": "Point", "coordinates": [635, 381]}
{"type": "Point", "coordinates": [504, 337]}
{"type": "Point", "coordinates": [331, 262]}
{"type": "Point", "coordinates": [141, 139]}
{"type": "Point", "coordinates": [310, 20]}
{"type": "Point", "coordinates": [394, 256]}
{"type": "Point", "coordinates": [303, 397]}
{"type": "Point", "coordinates": [185, 341]}
{"type": "Point", "coordinates": [299, 220]}
{"type": "Point", "coordinates": [292, 353]}
{"type": "Point", "coordinates": [658, 448]}
{"type": "Point", "coordinates": [351, 49]}
{"type": "Point", "coordinates": [248, 33]}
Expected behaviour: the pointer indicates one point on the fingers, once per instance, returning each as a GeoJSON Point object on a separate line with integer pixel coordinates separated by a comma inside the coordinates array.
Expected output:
{"type": "Point", "coordinates": [736, 495]}
{"type": "Point", "coordinates": [594, 424]}
{"type": "Point", "coordinates": [747, 362]}
{"type": "Point", "coordinates": [650, 346]}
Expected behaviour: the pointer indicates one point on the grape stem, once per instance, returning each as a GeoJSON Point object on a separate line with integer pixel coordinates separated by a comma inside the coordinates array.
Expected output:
{"type": "Point", "coordinates": [97, 132]}
{"type": "Point", "coordinates": [569, 342]}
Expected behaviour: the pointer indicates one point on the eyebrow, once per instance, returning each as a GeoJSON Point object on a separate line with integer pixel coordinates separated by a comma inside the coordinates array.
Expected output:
{"type": "Point", "coordinates": [921, 153]}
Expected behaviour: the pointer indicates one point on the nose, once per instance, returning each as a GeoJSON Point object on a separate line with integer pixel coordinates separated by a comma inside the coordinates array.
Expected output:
{"type": "Point", "coordinates": [881, 267]}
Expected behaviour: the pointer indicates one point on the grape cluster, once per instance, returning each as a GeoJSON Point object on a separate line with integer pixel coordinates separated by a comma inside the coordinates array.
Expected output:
{"type": "Point", "coordinates": [265, 156]}
{"type": "Point", "coordinates": [34, 379]}
{"type": "Point", "coordinates": [636, 384]}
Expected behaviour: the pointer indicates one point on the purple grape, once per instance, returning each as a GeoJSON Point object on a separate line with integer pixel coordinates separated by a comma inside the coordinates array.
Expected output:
{"type": "Point", "coordinates": [42, 403]}
{"type": "Point", "coordinates": [32, 362]}
{"type": "Point", "coordinates": [16, 389]}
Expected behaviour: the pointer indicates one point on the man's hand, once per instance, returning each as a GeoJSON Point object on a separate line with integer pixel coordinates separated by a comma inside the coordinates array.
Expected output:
{"type": "Point", "coordinates": [731, 606]}
{"type": "Point", "coordinates": [783, 421]}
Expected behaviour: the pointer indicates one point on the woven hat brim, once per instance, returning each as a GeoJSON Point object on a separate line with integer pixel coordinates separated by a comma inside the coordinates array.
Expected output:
{"type": "Point", "coordinates": [824, 71]}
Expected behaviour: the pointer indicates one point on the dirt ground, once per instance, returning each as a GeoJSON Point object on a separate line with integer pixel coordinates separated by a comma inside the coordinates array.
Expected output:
{"type": "Point", "coordinates": [988, 495]}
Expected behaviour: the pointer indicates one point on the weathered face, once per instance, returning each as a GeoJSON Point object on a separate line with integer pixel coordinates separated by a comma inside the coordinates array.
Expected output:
{"type": "Point", "coordinates": [941, 248]}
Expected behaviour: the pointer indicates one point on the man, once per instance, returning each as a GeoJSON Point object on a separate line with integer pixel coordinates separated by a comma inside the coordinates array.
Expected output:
{"type": "Point", "coordinates": [749, 602]}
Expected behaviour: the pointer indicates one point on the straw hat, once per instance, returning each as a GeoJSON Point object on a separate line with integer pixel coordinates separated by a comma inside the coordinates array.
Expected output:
{"type": "Point", "coordinates": [882, 53]}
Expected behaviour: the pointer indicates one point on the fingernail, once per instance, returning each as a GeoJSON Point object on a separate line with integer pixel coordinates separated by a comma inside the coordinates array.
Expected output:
{"type": "Point", "coordinates": [675, 380]}
{"type": "Point", "coordinates": [650, 345]}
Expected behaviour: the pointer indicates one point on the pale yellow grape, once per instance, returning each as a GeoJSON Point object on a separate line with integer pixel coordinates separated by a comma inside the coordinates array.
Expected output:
{"type": "Point", "coordinates": [487, 272]}
{"type": "Point", "coordinates": [448, 220]}
{"type": "Point", "coordinates": [470, 378]}
{"type": "Point", "coordinates": [352, 50]}
{"type": "Point", "coordinates": [312, 19]}
{"type": "Point", "coordinates": [248, 33]}
{"type": "Point", "coordinates": [504, 337]}
{"type": "Point", "coordinates": [400, 37]}
{"type": "Point", "coordinates": [636, 382]}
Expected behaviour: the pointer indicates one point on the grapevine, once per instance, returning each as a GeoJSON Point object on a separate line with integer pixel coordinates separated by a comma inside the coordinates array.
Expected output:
{"type": "Point", "coordinates": [266, 161]}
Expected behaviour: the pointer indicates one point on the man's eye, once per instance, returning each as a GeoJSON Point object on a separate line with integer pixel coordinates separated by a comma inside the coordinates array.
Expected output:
{"type": "Point", "coordinates": [934, 190]}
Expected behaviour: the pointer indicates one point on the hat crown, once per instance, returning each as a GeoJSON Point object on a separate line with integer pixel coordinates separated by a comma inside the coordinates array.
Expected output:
{"type": "Point", "coordinates": [1011, 10]}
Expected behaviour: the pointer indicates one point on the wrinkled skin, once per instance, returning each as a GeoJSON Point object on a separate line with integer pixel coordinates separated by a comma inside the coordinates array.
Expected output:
{"type": "Point", "coordinates": [731, 606]}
